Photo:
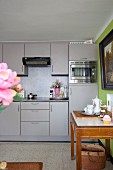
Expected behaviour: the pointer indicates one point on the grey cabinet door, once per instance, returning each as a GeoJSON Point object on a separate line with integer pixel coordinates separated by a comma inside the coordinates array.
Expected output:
{"type": "Point", "coordinates": [35, 128]}
{"type": "Point", "coordinates": [10, 120]}
{"type": "Point", "coordinates": [58, 118]}
{"type": "Point", "coordinates": [35, 105]}
{"type": "Point", "coordinates": [83, 51]}
{"type": "Point", "coordinates": [81, 95]}
{"type": "Point", "coordinates": [37, 49]}
{"type": "Point", "coordinates": [59, 58]}
{"type": "Point", "coordinates": [12, 55]}
{"type": "Point", "coordinates": [35, 115]}
{"type": "Point", "coordinates": [0, 53]}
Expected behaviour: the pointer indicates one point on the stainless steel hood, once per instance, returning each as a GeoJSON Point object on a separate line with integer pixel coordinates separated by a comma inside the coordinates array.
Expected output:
{"type": "Point", "coordinates": [36, 61]}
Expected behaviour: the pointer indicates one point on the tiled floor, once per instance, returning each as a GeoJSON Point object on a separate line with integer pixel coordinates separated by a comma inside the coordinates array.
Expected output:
{"type": "Point", "coordinates": [55, 156]}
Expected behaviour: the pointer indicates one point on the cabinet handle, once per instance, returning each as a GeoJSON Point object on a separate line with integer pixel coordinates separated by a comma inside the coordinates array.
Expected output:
{"type": "Point", "coordinates": [34, 103]}
{"type": "Point", "coordinates": [34, 110]}
{"type": "Point", "coordinates": [70, 91]}
{"type": "Point", "coordinates": [84, 58]}
{"type": "Point", "coordinates": [18, 108]}
{"type": "Point", "coordinates": [22, 68]}
{"type": "Point", "coordinates": [51, 108]}
{"type": "Point", "coordinates": [35, 122]}
{"type": "Point", "coordinates": [52, 68]}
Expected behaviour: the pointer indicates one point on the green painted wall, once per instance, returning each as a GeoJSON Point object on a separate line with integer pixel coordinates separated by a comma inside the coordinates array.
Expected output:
{"type": "Point", "coordinates": [103, 93]}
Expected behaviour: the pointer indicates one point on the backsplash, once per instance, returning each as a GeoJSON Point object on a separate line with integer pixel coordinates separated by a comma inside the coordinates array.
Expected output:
{"type": "Point", "coordinates": [39, 81]}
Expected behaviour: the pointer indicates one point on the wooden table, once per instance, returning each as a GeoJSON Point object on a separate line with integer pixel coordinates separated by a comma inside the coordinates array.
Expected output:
{"type": "Point", "coordinates": [24, 165]}
{"type": "Point", "coordinates": [88, 127]}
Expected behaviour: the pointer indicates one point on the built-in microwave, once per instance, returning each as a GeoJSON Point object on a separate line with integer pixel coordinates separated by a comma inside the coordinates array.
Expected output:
{"type": "Point", "coordinates": [82, 71]}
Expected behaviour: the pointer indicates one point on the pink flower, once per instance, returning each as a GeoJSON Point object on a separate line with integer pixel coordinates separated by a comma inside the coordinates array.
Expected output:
{"type": "Point", "coordinates": [8, 80]}
{"type": "Point", "coordinates": [6, 96]}
{"type": "Point", "coordinates": [18, 88]}
{"type": "Point", "coordinates": [3, 66]}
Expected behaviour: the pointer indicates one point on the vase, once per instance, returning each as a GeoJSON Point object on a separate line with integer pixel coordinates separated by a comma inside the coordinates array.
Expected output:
{"type": "Point", "coordinates": [57, 92]}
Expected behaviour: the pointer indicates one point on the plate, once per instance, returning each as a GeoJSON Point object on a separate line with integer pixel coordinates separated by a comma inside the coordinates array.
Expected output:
{"type": "Point", "coordinates": [86, 113]}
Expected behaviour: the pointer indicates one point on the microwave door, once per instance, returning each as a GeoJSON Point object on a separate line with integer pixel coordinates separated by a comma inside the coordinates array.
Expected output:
{"type": "Point", "coordinates": [75, 73]}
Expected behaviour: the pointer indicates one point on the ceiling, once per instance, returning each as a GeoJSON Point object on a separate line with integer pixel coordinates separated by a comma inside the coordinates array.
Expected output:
{"type": "Point", "coordinates": [54, 20]}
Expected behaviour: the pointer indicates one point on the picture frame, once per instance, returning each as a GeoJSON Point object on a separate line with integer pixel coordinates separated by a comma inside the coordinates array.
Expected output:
{"type": "Point", "coordinates": [106, 61]}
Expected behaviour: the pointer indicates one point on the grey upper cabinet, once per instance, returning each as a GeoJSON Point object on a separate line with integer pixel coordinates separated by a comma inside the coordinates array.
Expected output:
{"type": "Point", "coordinates": [12, 55]}
{"type": "Point", "coordinates": [37, 49]}
{"type": "Point", "coordinates": [10, 120]}
{"type": "Point", "coordinates": [0, 53]}
{"type": "Point", "coordinates": [59, 58]}
{"type": "Point", "coordinates": [83, 51]}
{"type": "Point", "coordinates": [58, 118]}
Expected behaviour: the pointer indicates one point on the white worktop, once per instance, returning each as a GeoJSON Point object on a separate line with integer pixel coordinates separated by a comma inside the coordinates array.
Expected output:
{"type": "Point", "coordinates": [90, 121]}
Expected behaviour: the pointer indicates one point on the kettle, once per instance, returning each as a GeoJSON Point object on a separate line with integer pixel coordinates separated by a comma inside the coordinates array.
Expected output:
{"type": "Point", "coordinates": [96, 105]}
{"type": "Point", "coordinates": [31, 96]}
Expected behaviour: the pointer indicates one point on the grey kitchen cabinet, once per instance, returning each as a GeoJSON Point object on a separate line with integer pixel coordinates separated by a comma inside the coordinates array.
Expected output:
{"type": "Point", "coordinates": [35, 118]}
{"type": "Point", "coordinates": [37, 49]}
{"type": "Point", "coordinates": [58, 118]}
{"type": "Point", "coordinates": [83, 51]}
{"type": "Point", "coordinates": [12, 55]}
{"type": "Point", "coordinates": [10, 120]}
{"type": "Point", "coordinates": [0, 53]}
{"type": "Point", "coordinates": [81, 95]}
{"type": "Point", "coordinates": [59, 58]}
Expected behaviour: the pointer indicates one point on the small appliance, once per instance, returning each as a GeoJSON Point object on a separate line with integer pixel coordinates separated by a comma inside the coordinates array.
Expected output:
{"type": "Point", "coordinates": [82, 71]}
{"type": "Point", "coordinates": [51, 93]}
{"type": "Point", "coordinates": [31, 96]}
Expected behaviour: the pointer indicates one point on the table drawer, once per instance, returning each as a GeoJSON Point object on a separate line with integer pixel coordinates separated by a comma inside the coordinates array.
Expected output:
{"type": "Point", "coordinates": [106, 132]}
{"type": "Point", "coordinates": [35, 128]}
{"type": "Point", "coordinates": [34, 105]}
{"type": "Point", "coordinates": [88, 132]}
{"type": "Point", "coordinates": [34, 115]}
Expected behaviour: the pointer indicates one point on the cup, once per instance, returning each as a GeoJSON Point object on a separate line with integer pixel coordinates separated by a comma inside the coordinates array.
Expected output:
{"type": "Point", "coordinates": [85, 109]}
{"type": "Point", "coordinates": [90, 109]}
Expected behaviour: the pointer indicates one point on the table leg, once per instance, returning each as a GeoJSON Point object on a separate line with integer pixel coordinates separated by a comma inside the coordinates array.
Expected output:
{"type": "Point", "coordinates": [78, 152]}
{"type": "Point", "coordinates": [72, 141]}
{"type": "Point", "coordinates": [107, 149]}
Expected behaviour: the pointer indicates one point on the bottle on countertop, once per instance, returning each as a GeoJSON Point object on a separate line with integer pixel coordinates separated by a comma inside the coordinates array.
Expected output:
{"type": "Point", "coordinates": [65, 92]}
{"type": "Point", "coordinates": [23, 93]}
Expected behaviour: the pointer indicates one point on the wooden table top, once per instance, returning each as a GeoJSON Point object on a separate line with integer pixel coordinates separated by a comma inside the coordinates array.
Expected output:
{"type": "Point", "coordinates": [87, 120]}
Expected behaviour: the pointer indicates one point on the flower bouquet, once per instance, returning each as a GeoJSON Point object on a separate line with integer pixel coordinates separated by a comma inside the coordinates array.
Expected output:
{"type": "Point", "coordinates": [57, 85]}
{"type": "Point", "coordinates": [9, 86]}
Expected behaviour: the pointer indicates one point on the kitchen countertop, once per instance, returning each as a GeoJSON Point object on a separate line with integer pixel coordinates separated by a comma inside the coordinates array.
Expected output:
{"type": "Point", "coordinates": [44, 99]}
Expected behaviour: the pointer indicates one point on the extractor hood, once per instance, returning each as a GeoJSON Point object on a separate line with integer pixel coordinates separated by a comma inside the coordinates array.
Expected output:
{"type": "Point", "coordinates": [36, 61]}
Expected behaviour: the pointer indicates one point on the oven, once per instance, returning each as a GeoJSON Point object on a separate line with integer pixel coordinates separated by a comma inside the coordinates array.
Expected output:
{"type": "Point", "coordinates": [82, 71]}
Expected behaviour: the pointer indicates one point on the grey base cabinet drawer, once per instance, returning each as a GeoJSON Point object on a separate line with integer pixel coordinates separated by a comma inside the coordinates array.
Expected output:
{"type": "Point", "coordinates": [35, 128]}
{"type": "Point", "coordinates": [35, 105]}
{"type": "Point", "coordinates": [35, 115]}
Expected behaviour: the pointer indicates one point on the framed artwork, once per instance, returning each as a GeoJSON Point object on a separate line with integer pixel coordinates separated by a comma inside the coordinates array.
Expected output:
{"type": "Point", "coordinates": [106, 61]}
